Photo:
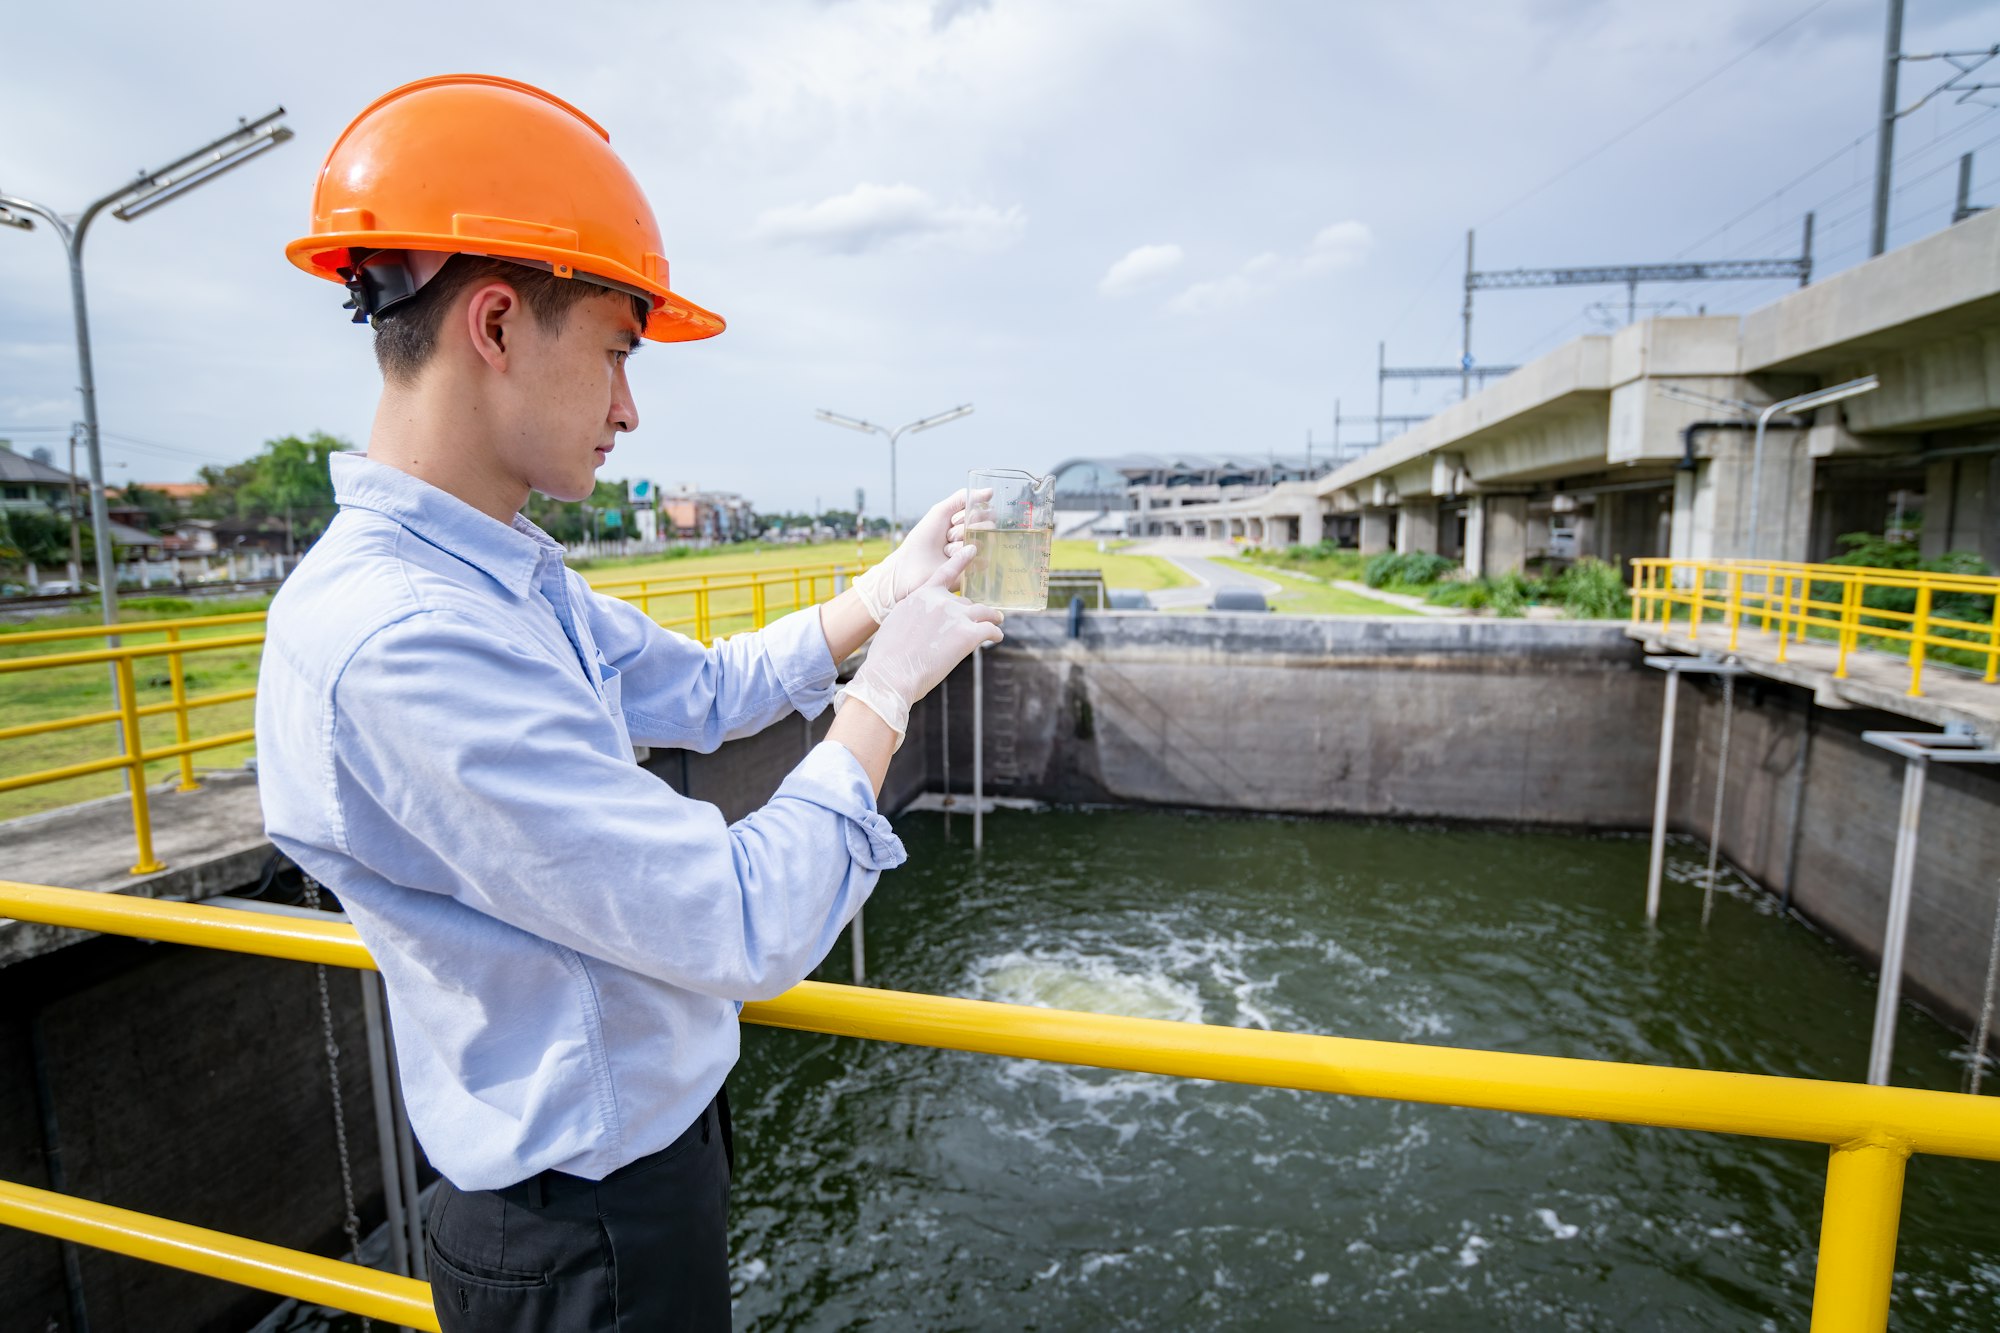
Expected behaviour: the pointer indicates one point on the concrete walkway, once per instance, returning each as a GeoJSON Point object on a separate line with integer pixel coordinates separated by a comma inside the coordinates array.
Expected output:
{"type": "Point", "coordinates": [212, 841]}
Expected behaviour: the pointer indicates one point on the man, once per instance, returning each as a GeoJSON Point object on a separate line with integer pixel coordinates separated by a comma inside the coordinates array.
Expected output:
{"type": "Point", "coordinates": [446, 717]}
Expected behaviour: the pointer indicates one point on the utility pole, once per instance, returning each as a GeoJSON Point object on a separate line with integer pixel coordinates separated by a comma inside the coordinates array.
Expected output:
{"type": "Point", "coordinates": [1465, 342]}
{"type": "Point", "coordinates": [141, 195]}
{"type": "Point", "coordinates": [75, 513]}
{"type": "Point", "coordinates": [1885, 133]}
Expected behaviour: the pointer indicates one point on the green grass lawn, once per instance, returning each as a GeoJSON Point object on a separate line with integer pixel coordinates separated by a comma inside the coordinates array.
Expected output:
{"type": "Point", "coordinates": [1143, 572]}
{"type": "Point", "coordinates": [1303, 597]}
{"type": "Point", "coordinates": [41, 696]}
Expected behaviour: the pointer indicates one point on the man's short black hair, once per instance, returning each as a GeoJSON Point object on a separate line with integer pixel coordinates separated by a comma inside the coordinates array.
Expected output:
{"type": "Point", "coordinates": [406, 336]}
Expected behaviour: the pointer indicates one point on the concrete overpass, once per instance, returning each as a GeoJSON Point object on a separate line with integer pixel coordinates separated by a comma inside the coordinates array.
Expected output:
{"type": "Point", "coordinates": [1583, 452]}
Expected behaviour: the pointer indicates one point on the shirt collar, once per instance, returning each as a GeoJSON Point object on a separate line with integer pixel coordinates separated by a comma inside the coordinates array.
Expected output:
{"type": "Point", "coordinates": [510, 554]}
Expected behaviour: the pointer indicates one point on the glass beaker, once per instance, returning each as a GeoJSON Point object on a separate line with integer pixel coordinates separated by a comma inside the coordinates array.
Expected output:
{"type": "Point", "coordinates": [1011, 517]}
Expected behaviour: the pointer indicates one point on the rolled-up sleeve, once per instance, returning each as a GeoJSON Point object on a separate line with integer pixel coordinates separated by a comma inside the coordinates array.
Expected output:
{"type": "Point", "coordinates": [469, 766]}
{"type": "Point", "coordinates": [680, 694]}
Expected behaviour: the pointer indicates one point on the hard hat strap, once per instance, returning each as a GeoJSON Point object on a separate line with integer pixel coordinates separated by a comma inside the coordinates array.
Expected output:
{"type": "Point", "coordinates": [378, 281]}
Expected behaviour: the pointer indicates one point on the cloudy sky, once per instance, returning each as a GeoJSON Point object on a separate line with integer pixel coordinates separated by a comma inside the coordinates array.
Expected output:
{"type": "Point", "coordinates": [1111, 225]}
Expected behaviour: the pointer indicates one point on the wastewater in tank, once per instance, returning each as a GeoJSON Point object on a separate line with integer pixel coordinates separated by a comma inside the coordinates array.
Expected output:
{"type": "Point", "coordinates": [895, 1187]}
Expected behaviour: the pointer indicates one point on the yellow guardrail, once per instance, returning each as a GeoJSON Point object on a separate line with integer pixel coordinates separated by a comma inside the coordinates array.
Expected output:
{"type": "Point", "coordinates": [699, 604]}
{"type": "Point", "coordinates": [1924, 615]}
{"type": "Point", "coordinates": [1870, 1131]}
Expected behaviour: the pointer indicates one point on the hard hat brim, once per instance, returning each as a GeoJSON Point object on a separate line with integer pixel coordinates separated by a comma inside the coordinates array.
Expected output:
{"type": "Point", "coordinates": [674, 318]}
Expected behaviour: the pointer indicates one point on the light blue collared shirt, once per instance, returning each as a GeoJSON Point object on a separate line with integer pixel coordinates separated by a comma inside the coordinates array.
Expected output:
{"type": "Point", "coordinates": [445, 720]}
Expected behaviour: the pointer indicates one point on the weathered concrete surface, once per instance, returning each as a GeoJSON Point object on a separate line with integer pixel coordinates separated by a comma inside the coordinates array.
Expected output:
{"type": "Point", "coordinates": [185, 1083]}
{"type": "Point", "coordinates": [1836, 856]}
{"type": "Point", "coordinates": [1875, 680]}
{"type": "Point", "coordinates": [1466, 719]}
{"type": "Point", "coordinates": [212, 841]}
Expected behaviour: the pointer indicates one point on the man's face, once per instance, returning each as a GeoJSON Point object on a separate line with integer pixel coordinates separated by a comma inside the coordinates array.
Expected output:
{"type": "Point", "coordinates": [569, 396]}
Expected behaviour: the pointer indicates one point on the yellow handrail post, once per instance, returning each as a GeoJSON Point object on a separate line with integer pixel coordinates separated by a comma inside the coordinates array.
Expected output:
{"type": "Point", "coordinates": [1919, 633]}
{"type": "Point", "coordinates": [1784, 613]}
{"type": "Point", "coordinates": [701, 612]}
{"type": "Point", "coordinates": [1857, 1237]}
{"type": "Point", "coordinates": [1993, 643]}
{"type": "Point", "coordinates": [756, 602]}
{"type": "Point", "coordinates": [1697, 603]}
{"type": "Point", "coordinates": [1850, 623]}
{"type": "Point", "coordinates": [135, 752]}
{"type": "Point", "coordinates": [178, 676]}
{"type": "Point", "coordinates": [1735, 603]}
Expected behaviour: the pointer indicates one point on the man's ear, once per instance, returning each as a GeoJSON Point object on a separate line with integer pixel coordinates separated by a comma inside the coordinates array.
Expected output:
{"type": "Point", "coordinates": [491, 315]}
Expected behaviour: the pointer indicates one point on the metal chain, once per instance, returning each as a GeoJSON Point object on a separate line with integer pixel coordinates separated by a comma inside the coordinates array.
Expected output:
{"type": "Point", "coordinates": [1721, 777]}
{"type": "Point", "coordinates": [350, 1220]}
{"type": "Point", "coordinates": [1985, 1027]}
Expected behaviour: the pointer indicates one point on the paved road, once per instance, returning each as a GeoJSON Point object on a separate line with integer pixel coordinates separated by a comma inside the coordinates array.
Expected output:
{"type": "Point", "coordinates": [1193, 558]}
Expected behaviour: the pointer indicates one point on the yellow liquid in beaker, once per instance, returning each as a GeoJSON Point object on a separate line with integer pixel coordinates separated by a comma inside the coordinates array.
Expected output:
{"type": "Point", "coordinates": [1011, 570]}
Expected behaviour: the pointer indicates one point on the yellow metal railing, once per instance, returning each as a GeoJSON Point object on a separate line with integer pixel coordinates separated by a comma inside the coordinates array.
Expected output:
{"type": "Point", "coordinates": [702, 605]}
{"type": "Point", "coordinates": [1870, 1131]}
{"type": "Point", "coordinates": [1922, 615]}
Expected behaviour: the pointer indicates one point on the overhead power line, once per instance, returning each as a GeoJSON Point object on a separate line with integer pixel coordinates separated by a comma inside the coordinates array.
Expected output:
{"type": "Point", "coordinates": [1662, 108]}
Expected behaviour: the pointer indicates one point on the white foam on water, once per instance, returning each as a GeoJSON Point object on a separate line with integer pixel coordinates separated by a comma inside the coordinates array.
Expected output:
{"type": "Point", "coordinates": [1090, 983]}
{"type": "Point", "coordinates": [1558, 1228]}
{"type": "Point", "coordinates": [1468, 1254]}
{"type": "Point", "coordinates": [1321, 1279]}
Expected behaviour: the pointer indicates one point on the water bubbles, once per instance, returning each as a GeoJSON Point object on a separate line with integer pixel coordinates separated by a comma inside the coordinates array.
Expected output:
{"type": "Point", "coordinates": [1558, 1228]}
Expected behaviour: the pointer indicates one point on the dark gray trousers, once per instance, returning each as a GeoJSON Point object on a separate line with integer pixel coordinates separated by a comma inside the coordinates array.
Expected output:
{"type": "Point", "coordinates": [644, 1248]}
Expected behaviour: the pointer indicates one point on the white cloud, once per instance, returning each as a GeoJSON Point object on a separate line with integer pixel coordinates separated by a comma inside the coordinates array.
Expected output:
{"type": "Point", "coordinates": [873, 217]}
{"type": "Point", "coordinates": [1342, 245]}
{"type": "Point", "coordinates": [1144, 265]}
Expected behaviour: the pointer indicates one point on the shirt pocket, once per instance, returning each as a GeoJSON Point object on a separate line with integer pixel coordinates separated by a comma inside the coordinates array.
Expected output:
{"type": "Point", "coordinates": [611, 688]}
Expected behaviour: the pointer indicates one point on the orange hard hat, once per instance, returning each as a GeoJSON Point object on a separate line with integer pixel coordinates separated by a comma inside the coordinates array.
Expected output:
{"type": "Point", "coordinates": [473, 164]}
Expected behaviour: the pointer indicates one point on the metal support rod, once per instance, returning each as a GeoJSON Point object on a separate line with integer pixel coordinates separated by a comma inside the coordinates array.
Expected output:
{"type": "Point", "coordinates": [1889, 987]}
{"type": "Point", "coordinates": [406, 1166]}
{"type": "Point", "coordinates": [1662, 783]}
{"type": "Point", "coordinates": [1984, 1027]}
{"type": "Point", "coordinates": [1885, 133]}
{"type": "Point", "coordinates": [385, 1120]}
{"type": "Point", "coordinates": [1857, 1237]}
{"type": "Point", "coordinates": [1964, 209]}
{"type": "Point", "coordinates": [858, 948]}
{"type": "Point", "coordinates": [1721, 784]}
{"type": "Point", "coordinates": [944, 747]}
{"type": "Point", "coordinates": [978, 748]}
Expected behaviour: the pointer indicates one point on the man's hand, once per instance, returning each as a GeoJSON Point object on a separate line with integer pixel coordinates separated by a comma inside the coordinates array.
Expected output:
{"type": "Point", "coordinates": [934, 539]}
{"type": "Point", "coordinates": [925, 636]}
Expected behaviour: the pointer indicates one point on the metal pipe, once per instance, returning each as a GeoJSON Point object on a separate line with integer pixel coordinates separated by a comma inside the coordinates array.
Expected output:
{"type": "Point", "coordinates": [1657, 862]}
{"type": "Point", "coordinates": [978, 748]}
{"type": "Point", "coordinates": [1889, 986]}
{"type": "Point", "coordinates": [1721, 784]}
{"type": "Point", "coordinates": [1857, 1242]}
{"type": "Point", "coordinates": [1465, 341]}
{"type": "Point", "coordinates": [857, 948]}
{"type": "Point", "coordinates": [385, 1127]}
{"type": "Point", "coordinates": [1984, 1027]}
{"type": "Point", "coordinates": [1804, 402]}
{"type": "Point", "coordinates": [1885, 133]}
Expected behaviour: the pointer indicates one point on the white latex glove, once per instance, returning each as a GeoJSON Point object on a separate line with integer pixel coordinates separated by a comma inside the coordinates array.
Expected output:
{"type": "Point", "coordinates": [930, 543]}
{"type": "Point", "coordinates": [924, 637]}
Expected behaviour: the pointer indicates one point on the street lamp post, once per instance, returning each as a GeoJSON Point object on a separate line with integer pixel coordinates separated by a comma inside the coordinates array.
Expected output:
{"type": "Point", "coordinates": [151, 189]}
{"type": "Point", "coordinates": [834, 418]}
{"type": "Point", "coordinates": [1805, 402]}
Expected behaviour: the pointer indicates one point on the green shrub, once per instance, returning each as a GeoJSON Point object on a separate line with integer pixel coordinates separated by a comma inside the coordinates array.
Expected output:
{"type": "Point", "coordinates": [1873, 551]}
{"type": "Point", "coordinates": [176, 606]}
{"type": "Point", "coordinates": [1411, 567]}
{"type": "Point", "coordinates": [1590, 589]}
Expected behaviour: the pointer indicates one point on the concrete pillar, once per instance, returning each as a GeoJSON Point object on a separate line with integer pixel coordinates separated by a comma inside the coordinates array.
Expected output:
{"type": "Point", "coordinates": [1377, 530]}
{"type": "Point", "coordinates": [1418, 528]}
{"type": "Point", "coordinates": [1962, 506]}
{"type": "Point", "coordinates": [1721, 508]}
{"type": "Point", "coordinates": [1504, 537]}
{"type": "Point", "coordinates": [1474, 558]}
{"type": "Point", "coordinates": [1312, 525]}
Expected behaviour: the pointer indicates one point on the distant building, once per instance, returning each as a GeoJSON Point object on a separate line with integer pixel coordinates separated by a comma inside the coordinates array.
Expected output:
{"type": "Point", "coordinates": [182, 493]}
{"type": "Point", "coordinates": [26, 483]}
{"type": "Point", "coordinates": [692, 515]}
{"type": "Point", "coordinates": [1135, 495]}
